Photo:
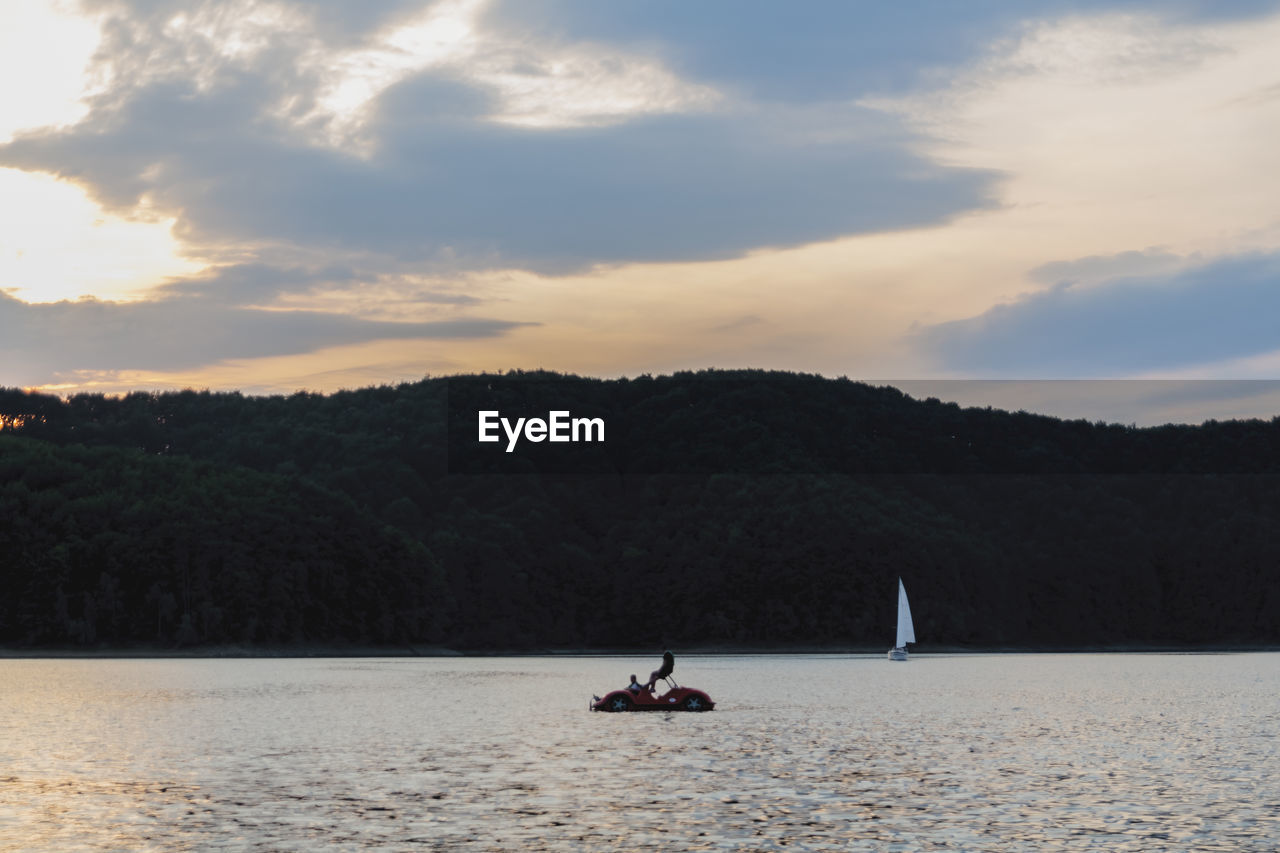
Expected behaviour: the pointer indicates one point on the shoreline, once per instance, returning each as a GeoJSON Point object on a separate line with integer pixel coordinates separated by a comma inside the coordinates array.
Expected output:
{"type": "Point", "coordinates": [338, 652]}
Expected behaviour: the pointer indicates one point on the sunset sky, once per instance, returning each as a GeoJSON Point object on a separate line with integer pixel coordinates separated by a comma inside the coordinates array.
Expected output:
{"type": "Point", "coordinates": [274, 196]}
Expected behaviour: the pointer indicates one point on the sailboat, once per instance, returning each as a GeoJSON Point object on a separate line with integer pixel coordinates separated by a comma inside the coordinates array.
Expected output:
{"type": "Point", "coordinates": [906, 631]}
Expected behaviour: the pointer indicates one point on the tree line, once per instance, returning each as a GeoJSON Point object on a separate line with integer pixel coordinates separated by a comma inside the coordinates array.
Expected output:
{"type": "Point", "coordinates": [751, 509]}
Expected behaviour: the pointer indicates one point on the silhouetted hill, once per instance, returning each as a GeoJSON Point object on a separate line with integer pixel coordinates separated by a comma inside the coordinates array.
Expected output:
{"type": "Point", "coordinates": [738, 507]}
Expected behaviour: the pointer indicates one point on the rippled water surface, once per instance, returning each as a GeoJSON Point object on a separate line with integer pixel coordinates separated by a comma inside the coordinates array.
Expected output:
{"type": "Point", "coordinates": [990, 752]}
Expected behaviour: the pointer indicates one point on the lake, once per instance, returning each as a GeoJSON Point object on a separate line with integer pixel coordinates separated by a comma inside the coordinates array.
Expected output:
{"type": "Point", "coordinates": [824, 752]}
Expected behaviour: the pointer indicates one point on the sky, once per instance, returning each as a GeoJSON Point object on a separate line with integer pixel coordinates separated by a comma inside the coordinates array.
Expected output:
{"type": "Point", "coordinates": [273, 196]}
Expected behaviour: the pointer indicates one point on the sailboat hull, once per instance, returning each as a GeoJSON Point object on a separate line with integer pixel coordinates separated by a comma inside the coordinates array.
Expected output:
{"type": "Point", "coordinates": [897, 654]}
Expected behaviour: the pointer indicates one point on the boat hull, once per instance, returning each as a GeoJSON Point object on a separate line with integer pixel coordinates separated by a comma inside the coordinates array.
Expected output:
{"type": "Point", "coordinates": [676, 699]}
{"type": "Point", "coordinates": [897, 654]}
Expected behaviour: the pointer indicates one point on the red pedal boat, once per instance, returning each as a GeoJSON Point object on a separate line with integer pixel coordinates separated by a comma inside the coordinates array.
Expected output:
{"type": "Point", "coordinates": [675, 699]}
{"type": "Point", "coordinates": [637, 698]}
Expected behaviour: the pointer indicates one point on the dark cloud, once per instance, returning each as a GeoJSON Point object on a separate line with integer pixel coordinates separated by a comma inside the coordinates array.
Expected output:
{"type": "Point", "coordinates": [746, 321]}
{"type": "Point", "coordinates": [341, 21]}
{"type": "Point", "coordinates": [1094, 267]}
{"type": "Point", "coordinates": [442, 297]}
{"type": "Point", "coordinates": [180, 334]}
{"type": "Point", "coordinates": [447, 187]}
{"type": "Point", "coordinates": [820, 50]}
{"type": "Point", "coordinates": [657, 189]}
{"type": "Point", "coordinates": [257, 283]}
{"type": "Point", "coordinates": [470, 193]}
{"type": "Point", "coordinates": [262, 284]}
{"type": "Point", "coordinates": [1218, 311]}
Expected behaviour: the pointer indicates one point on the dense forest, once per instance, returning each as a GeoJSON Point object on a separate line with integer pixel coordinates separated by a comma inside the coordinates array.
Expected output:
{"type": "Point", "coordinates": [741, 509]}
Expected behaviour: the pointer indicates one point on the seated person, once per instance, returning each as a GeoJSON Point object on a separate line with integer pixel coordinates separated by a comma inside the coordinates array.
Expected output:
{"type": "Point", "coordinates": [635, 686]}
{"type": "Point", "coordinates": [668, 666]}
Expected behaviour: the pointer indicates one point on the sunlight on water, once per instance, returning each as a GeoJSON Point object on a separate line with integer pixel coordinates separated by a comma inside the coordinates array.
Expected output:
{"type": "Point", "coordinates": [996, 752]}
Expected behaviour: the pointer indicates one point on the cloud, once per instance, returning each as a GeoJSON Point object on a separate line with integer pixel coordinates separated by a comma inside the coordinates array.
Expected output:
{"type": "Point", "coordinates": [475, 164]}
{"type": "Point", "coordinates": [1097, 268]}
{"type": "Point", "coordinates": [1217, 311]}
{"type": "Point", "coordinates": [850, 169]}
{"type": "Point", "coordinates": [1143, 402]}
{"type": "Point", "coordinates": [180, 334]}
{"type": "Point", "coordinates": [332, 288]}
{"type": "Point", "coordinates": [473, 194]}
{"type": "Point", "coordinates": [825, 50]}
{"type": "Point", "coordinates": [746, 321]}
{"type": "Point", "coordinates": [260, 283]}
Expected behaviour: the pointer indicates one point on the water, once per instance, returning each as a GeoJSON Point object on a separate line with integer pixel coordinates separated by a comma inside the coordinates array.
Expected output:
{"type": "Point", "coordinates": [991, 752]}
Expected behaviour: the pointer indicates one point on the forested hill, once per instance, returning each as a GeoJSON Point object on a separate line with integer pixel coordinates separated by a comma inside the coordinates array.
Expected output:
{"type": "Point", "coordinates": [765, 510]}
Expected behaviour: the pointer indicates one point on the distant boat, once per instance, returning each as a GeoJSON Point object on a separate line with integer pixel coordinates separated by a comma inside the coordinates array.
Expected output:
{"type": "Point", "coordinates": [906, 631]}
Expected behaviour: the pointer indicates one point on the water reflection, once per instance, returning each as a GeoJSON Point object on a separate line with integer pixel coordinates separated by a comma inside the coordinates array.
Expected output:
{"type": "Point", "coordinates": [1125, 752]}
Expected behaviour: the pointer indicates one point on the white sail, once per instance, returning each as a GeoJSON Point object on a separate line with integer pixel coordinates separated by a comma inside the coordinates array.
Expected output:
{"type": "Point", "coordinates": [906, 631]}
